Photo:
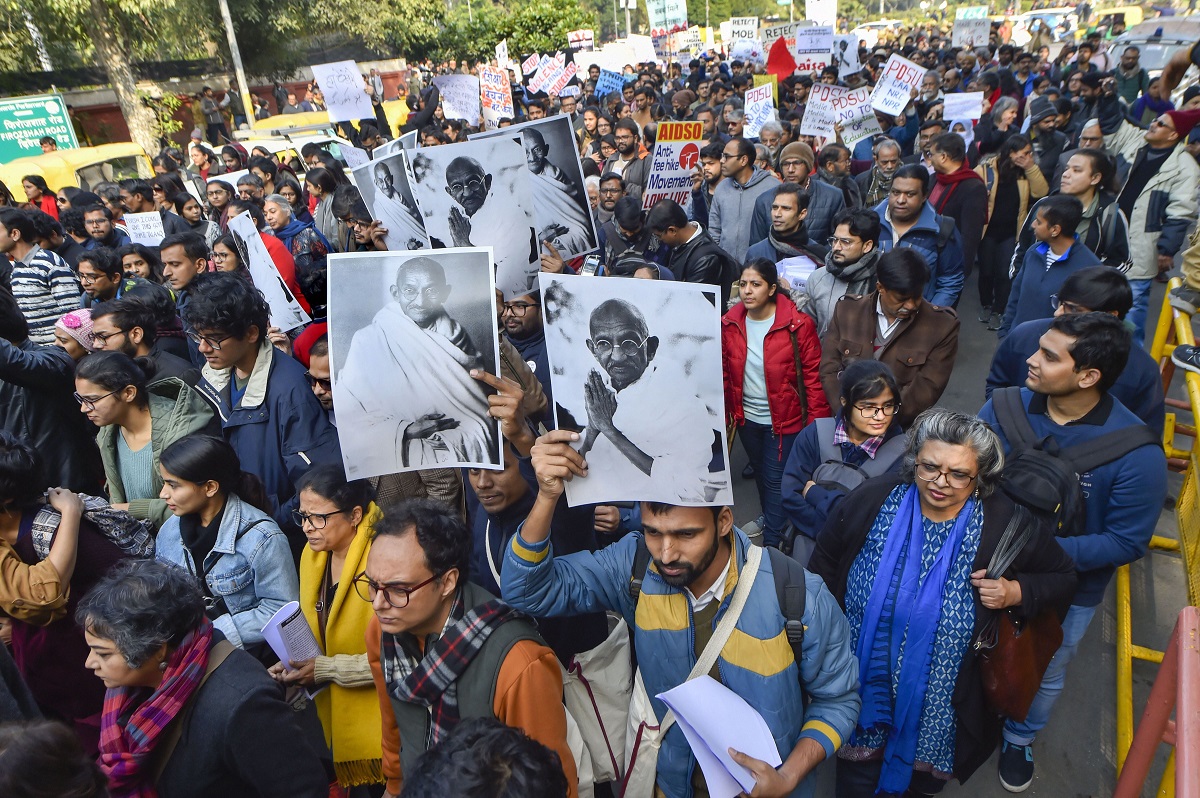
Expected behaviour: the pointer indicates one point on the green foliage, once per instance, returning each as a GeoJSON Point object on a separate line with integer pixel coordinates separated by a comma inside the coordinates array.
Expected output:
{"type": "Point", "coordinates": [164, 107]}
{"type": "Point", "coordinates": [542, 25]}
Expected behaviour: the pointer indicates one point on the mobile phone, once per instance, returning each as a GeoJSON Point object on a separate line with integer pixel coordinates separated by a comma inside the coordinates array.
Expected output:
{"type": "Point", "coordinates": [590, 265]}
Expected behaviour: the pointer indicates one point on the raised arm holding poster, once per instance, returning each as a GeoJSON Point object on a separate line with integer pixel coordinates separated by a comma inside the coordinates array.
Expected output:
{"type": "Point", "coordinates": [286, 313]}
{"type": "Point", "coordinates": [346, 98]}
{"type": "Point", "coordinates": [760, 109]}
{"type": "Point", "coordinates": [460, 97]}
{"type": "Point", "coordinates": [893, 93]}
{"type": "Point", "coordinates": [496, 94]}
{"type": "Point", "coordinates": [814, 48]}
{"type": "Point", "coordinates": [676, 154]}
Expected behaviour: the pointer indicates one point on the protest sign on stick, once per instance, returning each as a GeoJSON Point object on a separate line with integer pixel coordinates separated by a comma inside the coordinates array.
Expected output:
{"type": "Point", "coordinates": [345, 91]}
{"type": "Point", "coordinates": [502, 55]}
{"type": "Point", "coordinates": [286, 312]}
{"type": "Point", "coordinates": [760, 109]}
{"type": "Point", "coordinates": [676, 155]}
{"type": "Point", "coordinates": [460, 97]}
{"type": "Point", "coordinates": [145, 228]}
{"type": "Point", "coordinates": [894, 91]}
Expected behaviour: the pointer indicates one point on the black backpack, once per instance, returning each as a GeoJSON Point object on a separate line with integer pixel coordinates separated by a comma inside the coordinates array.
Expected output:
{"type": "Point", "coordinates": [789, 589]}
{"type": "Point", "coordinates": [1041, 475]}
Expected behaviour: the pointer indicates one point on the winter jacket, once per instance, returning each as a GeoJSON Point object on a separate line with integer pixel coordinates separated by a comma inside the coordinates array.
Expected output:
{"type": "Point", "coordinates": [1042, 568]}
{"type": "Point", "coordinates": [831, 282]}
{"type": "Point", "coordinates": [946, 264]}
{"type": "Point", "coordinates": [920, 352]}
{"type": "Point", "coordinates": [1034, 283]}
{"type": "Point", "coordinates": [1122, 499]}
{"type": "Point", "coordinates": [1047, 149]}
{"type": "Point", "coordinates": [1030, 185]}
{"type": "Point", "coordinates": [1163, 210]}
{"type": "Point", "coordinates": [250, 567]}
{"type": "Point", "coordinates": [824, 203]}
{"type": "Point", "coordinates": [700, 260]}
{"type": "Point", "coordinates": [814, 699]}
{"type": "Point", "coordinates": [809, 248]}
{"type": "Point", "coordinates": [1139, 387]}
{"type": "Point", "coordinates": [966, 203]}
{"type": "Point", "coordinates": [1103, 230]}
{"type": "Point", "coordinates": [635, 175]}
{"type": "Point", "coordinates": [729, 218]}
{"type": "Point", "coordinates": [789, 411]}
{"type": "Point", "coordinates": [176, 411]}
{"type": "Point", "coordinates": [279, 429]}
{"type": "Point", "coordinates": [36, 383]}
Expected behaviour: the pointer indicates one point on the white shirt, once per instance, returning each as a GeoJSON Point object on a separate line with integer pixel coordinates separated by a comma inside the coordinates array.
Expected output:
{"type": "Point", "coordinates": [886, 328]}
{"type": "Point", "coordinates": [714, 593]}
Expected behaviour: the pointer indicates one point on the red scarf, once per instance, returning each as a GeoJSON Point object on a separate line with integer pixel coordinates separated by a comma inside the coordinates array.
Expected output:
{"type": "Point", "coordinates": [130, 728]}
{"type": "Point", "coordinates": [947, 183]}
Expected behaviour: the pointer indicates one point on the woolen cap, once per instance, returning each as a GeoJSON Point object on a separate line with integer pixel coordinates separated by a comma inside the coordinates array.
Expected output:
{"type": "Point", "coordinates": [78, 325]}
{"type": "Point", "coordinates": [1039, 109]}
{"type": "Point", "coordinates": [798, 150]}
{"type": "Point", "coordinates": [1184, 121]}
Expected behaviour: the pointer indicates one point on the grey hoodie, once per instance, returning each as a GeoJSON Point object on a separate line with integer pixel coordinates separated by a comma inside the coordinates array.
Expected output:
{"type": "Point", "coordinates": [732, 211]}
{"type": "Point", "coordinates": [830, 283]}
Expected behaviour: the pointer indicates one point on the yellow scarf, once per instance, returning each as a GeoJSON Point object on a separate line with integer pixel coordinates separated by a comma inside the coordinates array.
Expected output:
{"type": "Point", "coordinates": [349, 716]}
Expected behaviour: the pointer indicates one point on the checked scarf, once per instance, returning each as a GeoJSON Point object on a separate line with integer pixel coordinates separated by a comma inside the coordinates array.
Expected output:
{"type": "Point", "coordinates": [431, 681]}
{"type": "Point", "coordinates": [131, 727]}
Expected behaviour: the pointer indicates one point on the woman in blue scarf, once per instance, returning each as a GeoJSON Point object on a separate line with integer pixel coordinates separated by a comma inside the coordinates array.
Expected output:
{"type": "Point", "coordinates": [302, 239]}
{"type": "Point", "coordinates": [906, 555]}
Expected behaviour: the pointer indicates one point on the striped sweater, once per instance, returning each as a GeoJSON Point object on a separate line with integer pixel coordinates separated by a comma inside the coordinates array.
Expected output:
{"type": "Point", "coordinates": [45, 288]}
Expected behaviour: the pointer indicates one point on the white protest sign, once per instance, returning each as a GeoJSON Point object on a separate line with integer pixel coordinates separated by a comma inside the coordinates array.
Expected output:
{"type": "Point", "coordinates": [971, 12]}
{"type": "Point", "coordinates": [971, 32]}
{"type": "Point", "coordinates": [819, 113]}
{"type": "Point", "coordinates": [345, 91]}
{"type": "Point", "coordinates": [496, 94]}
{"type": "Point", "coordinates": [963, 105]}
{"type": "Point", "coordinates": [460, 97]}
{"type": "Point", "coordinates": [749, 50]}
{"type": "Point", "coordinates": [822, 12]}
{"type": "Point", "coordinates": [743, 28]}
{"type": "Point", "coordinates": [286, 313]}
{"type": "Point", "coordinates": [230, 177]}
{"type": "Point", "coordinates": [529, 64]}
{"type": "Point", "coordinates": [786, 31]}
{"type": "Point", "coordinates": [408, 141]}
{"type": "Point", "coordinates": [760, 109]}
{"type": "Point", "coordinates": [583, 40]}
{"type": "Point", "coordinates": [355, 156]}
{"type": "Point", "coordinates": [845, 55]}
{"type": "Point", "coordinates": [562, 79]}
{"type": "Point", "coordinates": [814, 48]}
{"type": "Point", "coordinates": [676, 154]}
{"type": "Point", "coordinates": [145, 228]}
{"type": "Point", "coordinates": [857, 117]}
{"type": "Point", "coordinates": [894, 90]}
{"type": "Point", "coordinates": [643, 47]}
{"type": "Point", "coordinates": [830, 105]}
{"type": "Point", "coordinates": [502, 54]}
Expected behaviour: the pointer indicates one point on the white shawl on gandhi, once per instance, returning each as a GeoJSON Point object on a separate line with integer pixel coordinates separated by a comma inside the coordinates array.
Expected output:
{"type": "Point", "coordinates": [396, 373]}
{"type": "Point", "coordinates": [555, 202]}
{"type": "Point", "coordinates": [403, 227]}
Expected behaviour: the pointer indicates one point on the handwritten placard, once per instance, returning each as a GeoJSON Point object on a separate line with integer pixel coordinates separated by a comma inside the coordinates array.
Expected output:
{"type": "Point", "coordinates": [345, 91]}
{"type": "Point", "coordinates": [496, 95]}
{"type": "Point", "coordinates": [608, 82]}
{"type": "Point", "coordinates": [971, 32]}
{"type": "Point", "coordinates": [894, 91]}
{"type": "Point", "coordinates": [760, 109]}
{"type": "Point", "coordinates": [833, 105]}
{"type": "Point", "coordinates": [743, 28]}
{"type": "Point", "coordinates": [355, 156]}
{"type": "Point", "coordinates": [145, 228]}
{"type": "Point", "coordinates": [460, 97]}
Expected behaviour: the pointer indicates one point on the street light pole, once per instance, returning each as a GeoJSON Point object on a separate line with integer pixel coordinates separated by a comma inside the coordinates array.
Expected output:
{"type": "Point", "coordinates": [236, 54]}
{"type": "Point", "coordinates": [628, 27]}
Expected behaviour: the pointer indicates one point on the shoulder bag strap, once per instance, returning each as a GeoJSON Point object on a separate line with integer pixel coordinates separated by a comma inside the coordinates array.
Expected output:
{"type": "Point", "coordinates": [799, 379]}
{"type": "Point", "coordinates": [1016, 535]}
{"type": "Point", "coordinates": [1010, 413]}
{"type": "Point", "coordinates": [828, 450]}
{"type": "Point", "coordinates": [1109, 447]}
{"type": "Point", "coordinates": [741, 593]}
{"type": "Point", "coordinates": [174, 731]}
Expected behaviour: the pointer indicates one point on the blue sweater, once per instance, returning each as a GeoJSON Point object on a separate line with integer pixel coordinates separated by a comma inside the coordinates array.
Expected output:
{"type": "Point", "coordinates": [1034, 284]}
{"type": "Point", "coordinates": [1123, 499]}
{"type": "Point", "coordinates": [1139, 387]}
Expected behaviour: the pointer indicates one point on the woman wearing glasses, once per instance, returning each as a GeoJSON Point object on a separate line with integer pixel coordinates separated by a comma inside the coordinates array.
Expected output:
{"type": "Point", "coordinates": [771, 358]}
{"type": "Point", "coordinates": [338, 517]}
{"type": "Point", "coordinates": [833, 456]}
{"type": "Point", "coordinates": [137, 421]}
{"type": "Point", "coordinates": [222, 535]}
{"type": "Point", "coordinates": [906, 555]}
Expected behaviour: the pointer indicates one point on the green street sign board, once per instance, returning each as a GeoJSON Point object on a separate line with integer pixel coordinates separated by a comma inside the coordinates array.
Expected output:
{"type": "Point", "coordinates": [24, 120]}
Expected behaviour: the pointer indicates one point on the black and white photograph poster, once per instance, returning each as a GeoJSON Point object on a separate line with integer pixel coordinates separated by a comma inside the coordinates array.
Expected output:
{"type": "Point", "coordinates": [386, 188]}
{"type": "Point", "coordinates": [405, 330]}
{"type": "Point", "coordinates": [474, 194]}
{"type": "Point", "coordinates": [635, 367]}
{"type": "Point", "coordinates": [555, 174]}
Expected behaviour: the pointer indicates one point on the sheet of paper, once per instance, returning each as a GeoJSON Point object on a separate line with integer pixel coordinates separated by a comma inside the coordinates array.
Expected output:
{"type": "Point", "coordinates": [502, 54]}
{"type": "Point", "coordinates": [797, 270]}
{"type": "Point", "coordinates": [971, 32]}
{"type": "Point", "coordinates": [355, 156]}
{"type": "Point", "coordinates": [230, 177]}
{"type": "Point", "coordinates": [460, 97]}
{"type": "Point", "coordinates": [145, 228]}
{"type": "Point", "coordinates": [845, 55]}
{"type": "Point", "coordinates": [814, 48]}
{"type": "Point", "coordinates": [286, 312]}
{"type": "Point", "coordinates": [894, 90]}
{"type": "Point", "coordinates": [345, 91]}
{"type": "Point", "coordinates": [760, 109]}
{"type": "Point", "coordinates": [963, 105]}
{"type": "Point", "coordinates": [496, 94]}
{"type": "Point", "coordinates": [715, 719]}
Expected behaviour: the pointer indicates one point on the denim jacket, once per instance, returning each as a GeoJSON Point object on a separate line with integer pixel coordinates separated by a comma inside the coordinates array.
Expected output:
{"type": "Point", "coordinates": [253, 573]}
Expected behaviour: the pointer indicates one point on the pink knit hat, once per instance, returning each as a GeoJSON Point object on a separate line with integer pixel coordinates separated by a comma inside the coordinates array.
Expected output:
{"type": "Point", "coordinates": [78, 325]}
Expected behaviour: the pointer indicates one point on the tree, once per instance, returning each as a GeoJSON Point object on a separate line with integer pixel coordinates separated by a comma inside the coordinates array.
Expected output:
{"type": "Point", "coordinates": [541, 26]}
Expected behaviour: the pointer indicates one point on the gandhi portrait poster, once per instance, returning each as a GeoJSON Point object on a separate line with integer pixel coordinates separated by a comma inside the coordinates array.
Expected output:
{"type": "Point", "coordinates": [555, 176]}
{"type": "Point", "coordinates": [474, 194]}
{"type": "Point", "coordinates": [405, 330]}
{"type": "Point", "coordinates": [635, 367]}
{"type": "Point", "coordinates": [386, 188]}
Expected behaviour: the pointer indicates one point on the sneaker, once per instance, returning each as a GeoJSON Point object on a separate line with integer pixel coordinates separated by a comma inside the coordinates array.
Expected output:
{"type": "Point", "coordinates": [995, 322]}
{"type": "Point", "coordinates": [1185, 299]}
{"type": "Point", "coordinates": [1187, 357]}
{"type": "Point", "coordinates": [754, 530]}
{"type": "Point", "coordinates": [748, 471]}
{"type": "Point", "coordinates": [984, 315]}
{"type": "Point", "coordinates": [1016, 767]}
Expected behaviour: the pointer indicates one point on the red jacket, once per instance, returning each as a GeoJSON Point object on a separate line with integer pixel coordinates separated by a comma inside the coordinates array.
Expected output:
{"type": "Point", "coordinates": [779, 367]}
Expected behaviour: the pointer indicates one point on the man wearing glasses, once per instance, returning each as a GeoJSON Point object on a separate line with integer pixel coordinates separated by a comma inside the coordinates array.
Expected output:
{"type": "Point", "coordinates": [849, 265]}
{"type": "Point", "coordinates": [524, 326]}
{"type": "Point", "coordinates": [443, 649]}
{"type": "Point", "coordinates": [627, 161]}
{"type": "Point", "coordinates": [98, 222]}
{"type": "Point", "coordinates": [130, 325]}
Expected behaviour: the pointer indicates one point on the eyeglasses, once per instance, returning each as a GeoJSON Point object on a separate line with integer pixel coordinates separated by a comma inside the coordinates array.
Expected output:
{"type": "Point", "coordinates": [1069, 307]}
{"type": "Point", "coordinates": [727, 156]}
{"type": "Point", "coordinates": [324, 382]}
{"type": "Point", "coordinates": [616, 190]}
{"type": "Point", "coordinates": [874, 411]}
{"type": "Point", "coordinates": [95, 222]}
{"type": "Point", "coordinates": [518, 309]}
{"type": "Point", "coordinates": [103, 337]}
{"type": "Point", "coordinates": [431, 292]}
{"type": "Point", "coordinates": [221, 256]}
{"type": "Point", "coordinates": [315, 520]}
{"type": "Point", "coordinates": [842, 242]}
{"type": "Point", "coordinates": [629, 348]}
{"type": "Point", "coordinates": [394, 595]}
{"type": "Point", "coordinates": [472, 184]}
{"type": "Point", "coordinates": [89, 403]}
{"type": "Point", "coordinates": [213, 343]}
{"type": "Point", "coordinates": [88, 279]}
{"type": "Point", "coordinates": [927, 472]}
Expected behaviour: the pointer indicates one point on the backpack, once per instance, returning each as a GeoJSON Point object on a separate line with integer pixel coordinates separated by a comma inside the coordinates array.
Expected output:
{"type": "Point", "coordinates": [1044, 477]}
{"type": "Point", "coordinates": [790, 590]}
{"type": "Point", "coordinates": [834, 473]}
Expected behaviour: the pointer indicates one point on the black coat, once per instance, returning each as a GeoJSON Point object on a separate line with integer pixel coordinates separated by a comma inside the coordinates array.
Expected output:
{"type": "Point", "coordinates": [702, 261]}
{"type": "Point", "coordinates": [240, 738]}
{"type": "Point", "coordinates": [1045, 572]}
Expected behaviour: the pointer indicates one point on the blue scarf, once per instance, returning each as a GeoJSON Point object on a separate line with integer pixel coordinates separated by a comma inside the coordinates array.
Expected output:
{"type": "Point", "coordinates": [916, 609]}
{"type": "Point", "coordinates": [294, 228]}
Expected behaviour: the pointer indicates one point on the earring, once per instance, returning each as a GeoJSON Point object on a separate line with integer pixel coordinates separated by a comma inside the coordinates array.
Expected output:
{"type": "Point", "coordinates": [162, 666]}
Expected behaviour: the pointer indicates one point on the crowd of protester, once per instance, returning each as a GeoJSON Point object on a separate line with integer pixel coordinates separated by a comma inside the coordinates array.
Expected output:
{"type": "Point", "coordinates": [171, 475]}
